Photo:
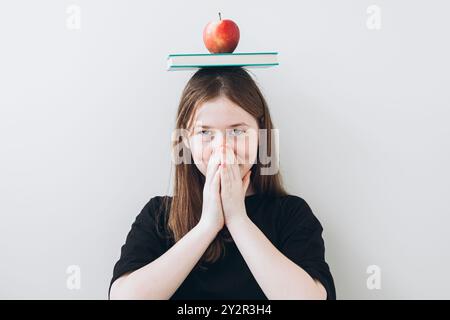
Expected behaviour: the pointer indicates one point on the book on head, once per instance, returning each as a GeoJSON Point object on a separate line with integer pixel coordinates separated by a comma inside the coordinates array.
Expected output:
{"type": "Point", "coordinates": [188, 61]}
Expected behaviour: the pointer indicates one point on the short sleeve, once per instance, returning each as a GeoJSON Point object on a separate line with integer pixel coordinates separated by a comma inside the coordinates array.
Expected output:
{"type": "Point", "coordinates": [143, 243]}
{"type": "Point", "coordinates": [301, 241]}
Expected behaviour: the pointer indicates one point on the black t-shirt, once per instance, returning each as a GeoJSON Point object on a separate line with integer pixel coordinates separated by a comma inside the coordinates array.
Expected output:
{"type": "Point", "coordinates": [287, 221]}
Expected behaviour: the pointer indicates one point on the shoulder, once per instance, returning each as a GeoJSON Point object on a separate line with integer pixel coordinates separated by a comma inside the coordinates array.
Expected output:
{"type": "Point", "coordinates": [157, 204]}
{"type": "Point", "coordinates": [290, 201]}
{"type": "Point", "coordinates": [154, 212]}
{"type": "Point", "coordinates": [292, 204]}
{"type": "Point", "coordinates": [296, 210]}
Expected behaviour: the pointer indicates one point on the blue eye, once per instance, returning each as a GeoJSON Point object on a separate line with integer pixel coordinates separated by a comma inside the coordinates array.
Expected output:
{"type": "Point", "coordinates": [205, 132]}
{"type": "Point", "coordinates": [236, 132]}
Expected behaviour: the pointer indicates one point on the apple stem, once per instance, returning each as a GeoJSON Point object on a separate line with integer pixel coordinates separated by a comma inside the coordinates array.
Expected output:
{"type": "Point", "coordinates": [220, 17]}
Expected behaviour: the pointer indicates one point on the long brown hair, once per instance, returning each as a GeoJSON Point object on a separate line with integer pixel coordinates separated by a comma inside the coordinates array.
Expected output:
{"type": "Point", "coordinates": [206, 84]}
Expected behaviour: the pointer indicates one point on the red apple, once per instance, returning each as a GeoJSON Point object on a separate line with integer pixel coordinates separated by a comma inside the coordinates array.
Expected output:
{"type": "Point", "coordinates": [221, 36]}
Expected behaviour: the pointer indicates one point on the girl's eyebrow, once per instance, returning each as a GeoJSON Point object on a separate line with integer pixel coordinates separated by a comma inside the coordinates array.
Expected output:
{"type": "Point", "coordinates": [231, 126]}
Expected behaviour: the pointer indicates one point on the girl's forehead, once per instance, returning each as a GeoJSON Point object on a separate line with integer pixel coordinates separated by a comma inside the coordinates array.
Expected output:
{"type": "Point", "coordinates": [221, 113]}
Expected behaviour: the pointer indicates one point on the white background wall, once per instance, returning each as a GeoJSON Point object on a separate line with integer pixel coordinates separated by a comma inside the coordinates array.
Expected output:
{"type": "Point", "coordinates": [86, 117]}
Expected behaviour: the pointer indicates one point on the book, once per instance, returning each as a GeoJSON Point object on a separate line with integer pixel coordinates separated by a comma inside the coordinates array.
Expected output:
{"type": "Point", "coordinates": [190, 61]}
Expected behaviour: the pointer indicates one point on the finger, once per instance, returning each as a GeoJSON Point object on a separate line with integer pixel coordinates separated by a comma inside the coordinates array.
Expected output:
{"type": "Point", "coordinates": [223, 159]}
{"type": "Point", "coordinates": [224, 176]}
{"type": "Point", "coordinates": [225, 155]}
{"type": "Point", "coordinates": [231, 157]}
{"type": "Point", "coordinates": [236, 171]}
{"type": "Point", "coordinates": [213, 165]}
{"type": "Point", "coordinates": [231, 161]}
{"type": "Point", "coordinates": [215, 183]}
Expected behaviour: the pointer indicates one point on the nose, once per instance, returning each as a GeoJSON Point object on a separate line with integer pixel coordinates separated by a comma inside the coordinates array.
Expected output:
{"type": "Point", "coordinates": [227, 154]}
{"type": "Point", "coordinates": [221, 141]}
